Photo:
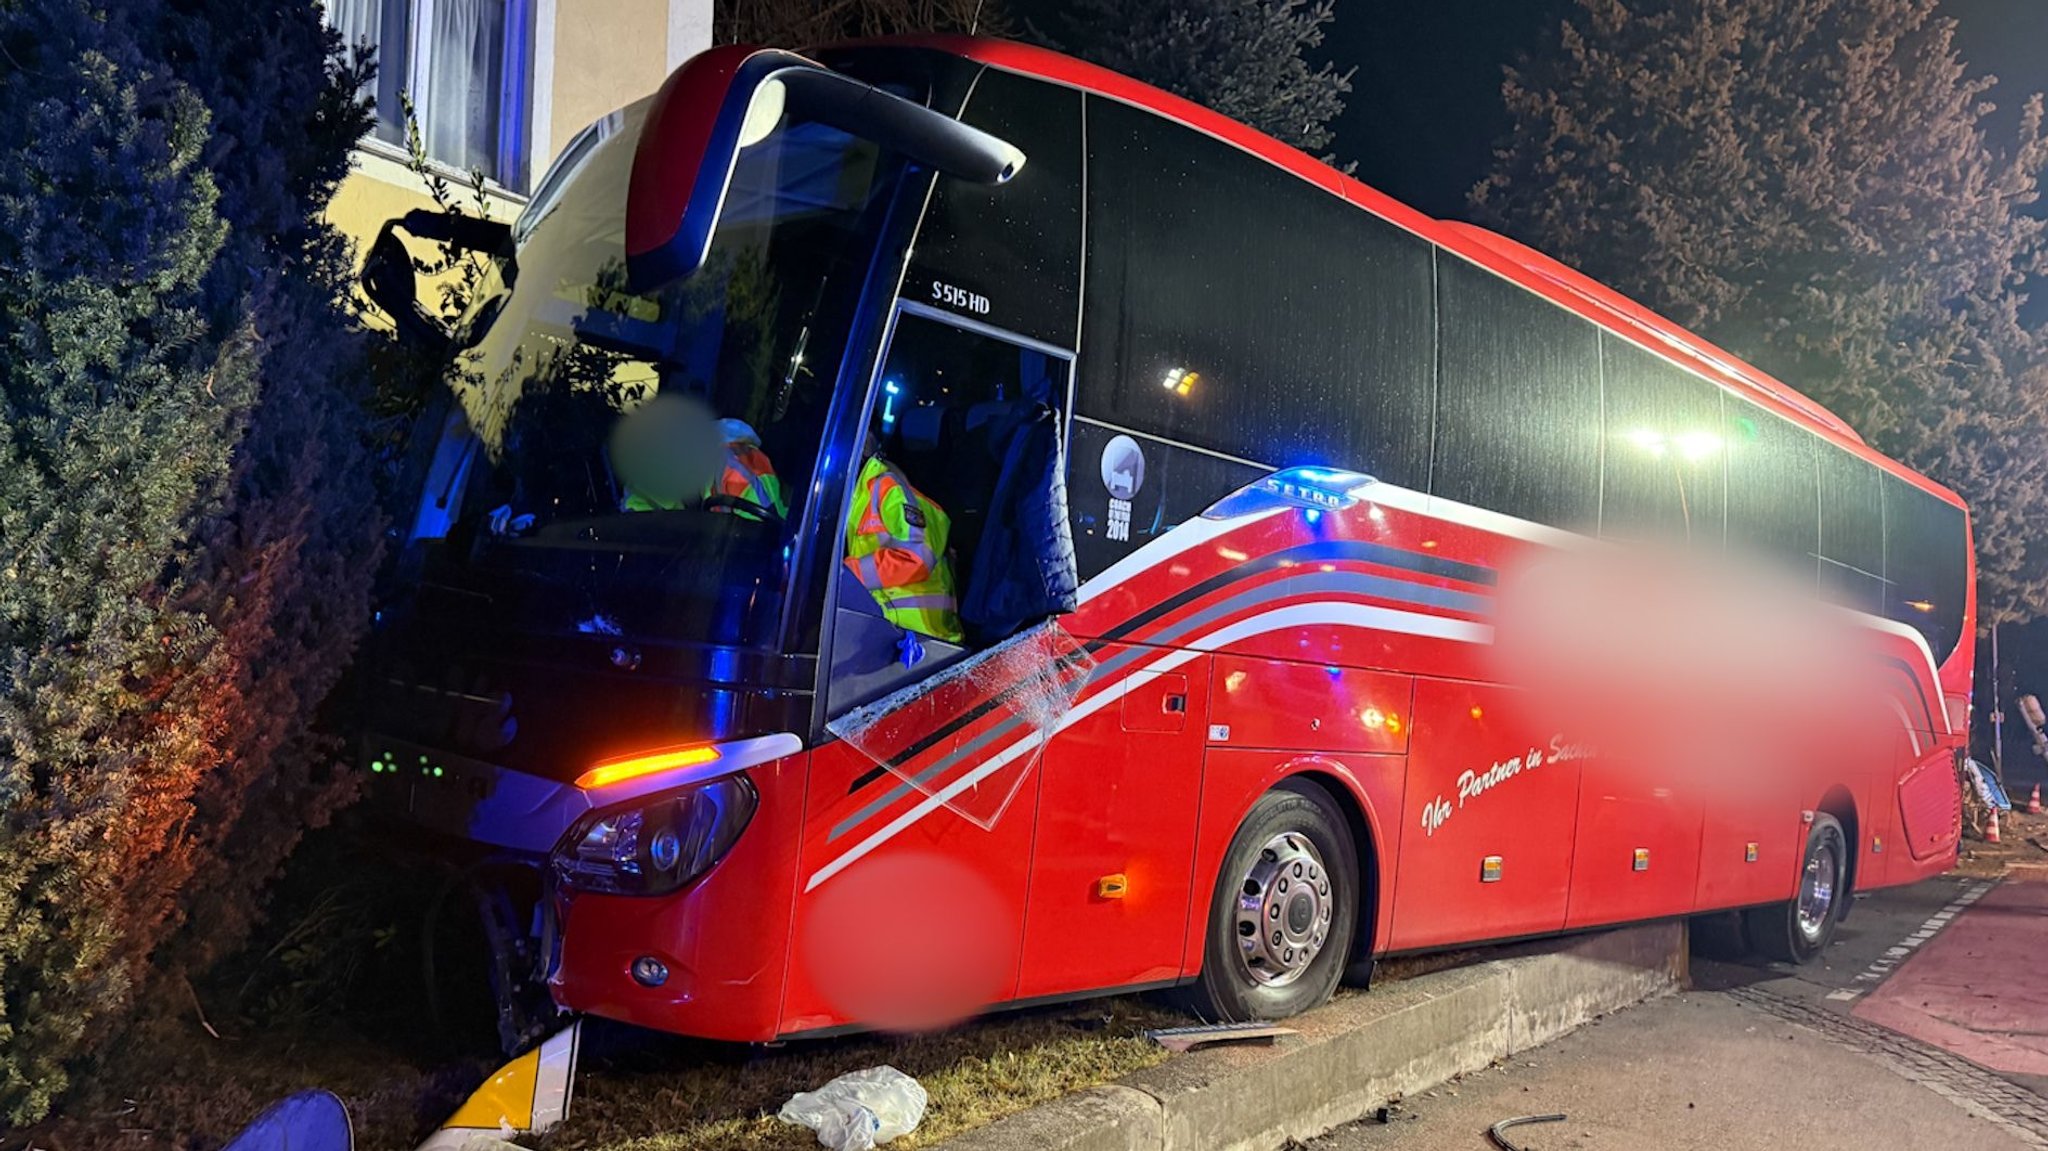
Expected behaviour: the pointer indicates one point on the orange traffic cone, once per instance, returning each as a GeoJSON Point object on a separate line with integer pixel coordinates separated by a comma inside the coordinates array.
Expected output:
{"type": "Point", "coordinates": [1991, 834]}
{"type": "Point", "coordinates": [2034, 801]}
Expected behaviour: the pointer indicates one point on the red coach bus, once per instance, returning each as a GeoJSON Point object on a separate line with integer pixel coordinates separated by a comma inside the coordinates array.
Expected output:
{"type": "Point", "coordinates": [1237, 454]}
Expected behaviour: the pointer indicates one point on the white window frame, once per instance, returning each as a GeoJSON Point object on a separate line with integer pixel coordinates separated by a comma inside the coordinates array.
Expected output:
{"type": "Point", "coordinates": [540, 97]}
{"type": "Point", "coordinates": [689, 30]}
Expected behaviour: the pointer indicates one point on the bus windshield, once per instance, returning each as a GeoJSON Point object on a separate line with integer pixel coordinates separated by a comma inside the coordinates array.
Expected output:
{"type": "Point", "coordinates": [673, 433]}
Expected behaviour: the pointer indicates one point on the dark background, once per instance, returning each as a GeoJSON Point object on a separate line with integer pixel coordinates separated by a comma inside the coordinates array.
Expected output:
{"type": "Point", "coordinates": [1425, 107]}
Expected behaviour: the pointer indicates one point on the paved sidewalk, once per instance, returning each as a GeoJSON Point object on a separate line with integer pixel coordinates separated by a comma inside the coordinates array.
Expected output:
{"type": "Point", "coordinates": [1702, 1071]}
{"type": "Point", "coordinates": [1978, 988]}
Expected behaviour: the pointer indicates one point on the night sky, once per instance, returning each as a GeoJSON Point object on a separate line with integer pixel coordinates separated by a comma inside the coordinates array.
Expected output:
{"type": "Point", "coordinates": [1426, 107]}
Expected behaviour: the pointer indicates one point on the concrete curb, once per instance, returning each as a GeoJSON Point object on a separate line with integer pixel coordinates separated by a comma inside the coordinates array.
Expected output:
{"type": "Point", "coordinates": [1355, 1054]}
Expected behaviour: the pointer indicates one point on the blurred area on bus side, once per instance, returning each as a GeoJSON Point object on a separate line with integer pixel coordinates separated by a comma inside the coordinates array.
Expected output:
{"type": "Point", "coordinates": [1711, 671]}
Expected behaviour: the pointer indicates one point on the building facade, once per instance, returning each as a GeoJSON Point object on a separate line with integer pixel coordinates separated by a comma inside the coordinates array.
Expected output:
{"type": "Point", "coordinates": [497, 86]}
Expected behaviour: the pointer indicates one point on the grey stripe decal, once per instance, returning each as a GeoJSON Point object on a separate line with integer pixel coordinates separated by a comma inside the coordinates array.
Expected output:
{"type": "Point", "coordinates": [1109, 667]}
{"type": "Point", "coordinates": [1358, 583]}
{"type": "Point", "coordinates": [971, 747]}
{"type": "Point", "coordinates": [1322, 582]}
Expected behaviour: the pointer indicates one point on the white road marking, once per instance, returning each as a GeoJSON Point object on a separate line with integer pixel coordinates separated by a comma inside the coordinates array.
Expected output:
{"type": "Point", "coordinates": [1880, 968]}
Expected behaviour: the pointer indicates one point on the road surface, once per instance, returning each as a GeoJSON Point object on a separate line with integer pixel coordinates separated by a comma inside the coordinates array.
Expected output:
{"type": "Point", "coordinates": [1926, 1025]}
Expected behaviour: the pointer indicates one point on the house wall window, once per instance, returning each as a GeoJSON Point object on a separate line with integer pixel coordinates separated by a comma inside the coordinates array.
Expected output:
{"type": "Point", "coordinates": [468, 65]}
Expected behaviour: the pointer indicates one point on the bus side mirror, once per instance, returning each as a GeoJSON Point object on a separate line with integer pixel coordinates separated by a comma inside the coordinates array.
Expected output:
{"type": "Point", "coordinates": [730, 98]}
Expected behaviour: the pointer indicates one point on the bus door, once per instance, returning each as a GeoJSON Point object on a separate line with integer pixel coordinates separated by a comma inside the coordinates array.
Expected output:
{"type": "Point", "coordinates": [948, 673]}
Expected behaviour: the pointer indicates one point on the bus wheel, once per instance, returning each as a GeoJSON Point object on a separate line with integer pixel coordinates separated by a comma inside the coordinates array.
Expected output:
{"type": "Point", "coordinates": [1798, 930]}
{"type": "Point", "coordinates": [1286, 907]}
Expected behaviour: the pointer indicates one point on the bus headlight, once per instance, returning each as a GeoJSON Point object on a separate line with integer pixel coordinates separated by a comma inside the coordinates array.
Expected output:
{"type": "Point", "coordinates": [656, 845]}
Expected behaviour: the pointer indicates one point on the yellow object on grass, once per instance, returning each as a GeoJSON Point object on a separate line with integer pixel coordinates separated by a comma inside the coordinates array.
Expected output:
{"type": "Point", "coordinates": [528, 1095]}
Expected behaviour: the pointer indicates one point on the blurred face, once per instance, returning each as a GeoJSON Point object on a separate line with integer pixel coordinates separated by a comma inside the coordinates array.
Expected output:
{"type": "Point", "coordinates": [668, 449]}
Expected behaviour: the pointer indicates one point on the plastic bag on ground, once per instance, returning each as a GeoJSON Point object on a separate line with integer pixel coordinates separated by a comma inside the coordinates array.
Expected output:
{"type": "Point", "coordinates": [859, 1109]}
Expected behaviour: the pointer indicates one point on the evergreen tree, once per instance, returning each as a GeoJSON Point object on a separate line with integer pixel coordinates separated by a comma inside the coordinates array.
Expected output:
{"type": "Point", "coordinates": [188, 534]}
{"type": "Point", "coordinates": [1811, 184]}
{"type": "Point", "coordinates": [286, 569]}
{"type": "Point", "coordinates": [123, 400]}
{"type": "Point", "coordinates": [1248, 59]}
{"type": "Point", "coordinates": [806, 23]}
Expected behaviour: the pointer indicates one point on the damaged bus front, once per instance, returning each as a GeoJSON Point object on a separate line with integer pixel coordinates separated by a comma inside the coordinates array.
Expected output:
{"type": "Point", "coordinates": [606, 664]}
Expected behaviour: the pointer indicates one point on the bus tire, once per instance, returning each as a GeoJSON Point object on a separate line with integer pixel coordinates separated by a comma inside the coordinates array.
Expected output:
{"type": "Point", "coordinates": [1798, 930]}
{"type": "Point", "coordinates": [1285, 910]}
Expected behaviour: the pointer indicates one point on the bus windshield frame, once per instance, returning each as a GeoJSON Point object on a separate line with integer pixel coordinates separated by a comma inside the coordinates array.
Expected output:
{"type": "Point", "coordinates": [557, 357]}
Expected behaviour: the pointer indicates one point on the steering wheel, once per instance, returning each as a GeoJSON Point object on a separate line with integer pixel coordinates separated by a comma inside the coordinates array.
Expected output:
{"type": "Point", "coordinates": [744, 507]}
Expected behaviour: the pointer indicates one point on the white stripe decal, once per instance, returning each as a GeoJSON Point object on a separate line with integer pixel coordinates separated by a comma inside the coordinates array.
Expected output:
{"type": "Point", "coordinates": [1183, 537]}
{"type": "Point", "coordinates": [990, 766]}
{"type": "Point", "coordinates": [1196, 532]}
{"type": "Point", "coordinates": [1894, 627]}
{"type": "Point", "coordinates": [1911, 735]}
{"type": "Point", "coordinates": [1451, 511]}
{"type": "Point", "coordinates": [1325, 613]}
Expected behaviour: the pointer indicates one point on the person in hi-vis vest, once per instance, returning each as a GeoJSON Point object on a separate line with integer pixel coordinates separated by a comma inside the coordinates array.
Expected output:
{"type": "Point", "coordinates": [745, 474]}
{"type": "Point", "coordinates": [896, 545]}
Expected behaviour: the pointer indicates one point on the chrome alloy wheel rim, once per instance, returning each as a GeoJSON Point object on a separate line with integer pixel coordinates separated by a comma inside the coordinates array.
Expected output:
{"type": "Point", "coordinates": [1817, 892]}
{"type": "Point", "coordinates": [1283, 913]}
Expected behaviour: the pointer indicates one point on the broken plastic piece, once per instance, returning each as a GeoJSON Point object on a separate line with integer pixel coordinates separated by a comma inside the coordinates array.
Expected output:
{"type": "Point", "coordinates": [1988, 790]}
{"type": "Point", "coordinates": [528, 1095]}
{"type": "Point", "coordinates": [1018, 693]}
{"type": "Point", "coordinates": [859, 1109]}
{"type": "Point", "coordinates": [307, 1121]}
{"type": "Point", "coordinates": [1501, 1141]}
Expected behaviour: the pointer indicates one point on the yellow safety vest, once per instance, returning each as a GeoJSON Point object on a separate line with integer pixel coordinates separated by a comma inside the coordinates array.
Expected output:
{"type": "Point", "coordinates": [747, 475]}
{"type": "Point", "coordinates": [896, 545]}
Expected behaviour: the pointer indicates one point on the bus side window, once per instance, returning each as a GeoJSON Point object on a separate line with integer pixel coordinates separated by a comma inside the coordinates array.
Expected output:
{"type": "Point", "coordinates": [1665, 469]}
{"type": "Point", "coordinates": [1239, 320]}
{"type": "Point", "coordinates": [1926, 564]}
{"type": "Point", "coordinates": [1851, 532]}
{"type": "Point", "coordinates": [1773, 491]}
{"type": "Point", "coordinates": [1518, 401]}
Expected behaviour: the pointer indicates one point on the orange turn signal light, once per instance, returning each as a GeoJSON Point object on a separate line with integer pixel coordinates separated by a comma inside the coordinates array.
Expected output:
{"type": "Point", "coordinates": [632, 767]}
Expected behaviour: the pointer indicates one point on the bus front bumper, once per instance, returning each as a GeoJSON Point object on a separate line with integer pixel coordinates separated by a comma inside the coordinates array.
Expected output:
{"type": "Point", "coordinates": [709, 960]}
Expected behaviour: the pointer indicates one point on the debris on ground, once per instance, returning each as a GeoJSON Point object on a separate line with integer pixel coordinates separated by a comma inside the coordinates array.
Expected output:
{"type": "Point", "coordinates": [860, 1109]}
{"type": "Point", "coordinates": [2024, 843]}
{"type": "Point", "coordinates": [1989, 791]}
{"type": "Point", "coordinates": [1208, 1034]}
{"type": "Point", "coordinates": [307, 1121]}
{"type": "Point", "coordinates": [1500, 1140]}
{"type": "Point", "coordinates": [529, 1095]}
